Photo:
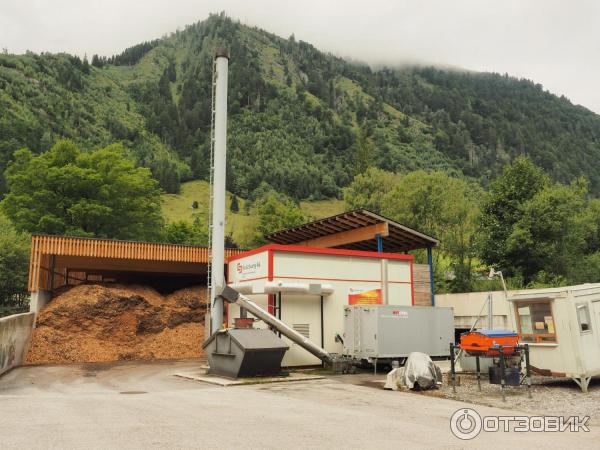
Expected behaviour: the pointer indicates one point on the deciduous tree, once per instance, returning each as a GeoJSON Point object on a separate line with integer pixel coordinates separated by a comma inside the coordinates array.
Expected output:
{"type": "Point", "coordinates": [276, 212]}
{"type": "Point", "coordinates": [66, 191]}
{"type": "Point", "coordinates": [432, 202]}
{"type": "Point", "coordinates": [182, 232]}
{"type": "Point", "coordinates": [519, 183]}
{"type": "Point", "coordinates": [14, 263]}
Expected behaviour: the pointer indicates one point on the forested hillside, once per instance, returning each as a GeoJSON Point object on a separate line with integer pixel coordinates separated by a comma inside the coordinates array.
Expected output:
{"type": "Point", "coordinates": [303, 121]}
{"type": "Point", "coordinates": [498, 169]}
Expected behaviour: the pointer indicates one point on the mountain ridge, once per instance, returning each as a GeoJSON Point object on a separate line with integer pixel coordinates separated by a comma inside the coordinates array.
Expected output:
{"type": "Point", "coordinates": [303, 121]}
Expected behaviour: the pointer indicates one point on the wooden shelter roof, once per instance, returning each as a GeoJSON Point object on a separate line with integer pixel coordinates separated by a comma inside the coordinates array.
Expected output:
{"type": "Point", "coordinates": [54, 257]}
{"type": "Point", "coordinates": [356, 230]}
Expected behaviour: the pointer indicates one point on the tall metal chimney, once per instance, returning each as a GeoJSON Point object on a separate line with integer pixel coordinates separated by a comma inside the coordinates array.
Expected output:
{"type": "Point", "coordinates": [218, 189]}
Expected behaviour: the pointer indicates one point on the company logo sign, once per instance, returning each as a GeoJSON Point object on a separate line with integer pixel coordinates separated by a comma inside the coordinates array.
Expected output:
{"type": "Point", "coordinates": [364, 297]}
{"type": "Point", "coordinates": [396, 314]}
{"type": "Point", "coordinates": [247, 268]}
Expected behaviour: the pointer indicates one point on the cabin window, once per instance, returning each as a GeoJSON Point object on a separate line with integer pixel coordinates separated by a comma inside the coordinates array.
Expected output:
{"type": "Point", "coordinates": [583, 314]}
{"type": "Point", "coordinates": [536, 321]}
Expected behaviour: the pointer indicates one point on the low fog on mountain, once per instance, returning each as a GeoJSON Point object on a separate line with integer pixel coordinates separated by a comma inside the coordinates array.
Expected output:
{"type": "Point", "coordinates": [548, 41]}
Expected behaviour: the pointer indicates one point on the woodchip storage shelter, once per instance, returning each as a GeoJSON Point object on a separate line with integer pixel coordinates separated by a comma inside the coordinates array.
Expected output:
{"type": "Point", "coordinates": [58, 261]}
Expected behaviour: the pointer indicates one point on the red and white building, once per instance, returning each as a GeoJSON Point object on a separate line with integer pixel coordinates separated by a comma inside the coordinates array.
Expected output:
{"type": "Point", "coordinates": [308, 287]}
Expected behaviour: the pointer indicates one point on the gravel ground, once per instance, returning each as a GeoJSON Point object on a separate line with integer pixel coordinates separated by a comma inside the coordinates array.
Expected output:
{"type": "Point", "coordinates": [548, 396]}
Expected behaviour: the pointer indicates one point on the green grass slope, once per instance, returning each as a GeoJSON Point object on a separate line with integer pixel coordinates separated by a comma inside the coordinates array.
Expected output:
{"type": "Point", "coordinates": [179, 207]}
{"type": "Point", "coordinates": [239, 225]}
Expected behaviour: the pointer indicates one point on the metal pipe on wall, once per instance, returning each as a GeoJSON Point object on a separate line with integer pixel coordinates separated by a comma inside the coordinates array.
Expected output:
{"type": "Point", "coordinates": [384, 282]}
{"type": "Point", "coordinates": [322, 325]}
{"type": "Point", "coordinates": [218, 193]}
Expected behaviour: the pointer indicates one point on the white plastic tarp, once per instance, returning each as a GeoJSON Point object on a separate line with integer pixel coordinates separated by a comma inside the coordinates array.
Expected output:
{"type": "Point", "coordinates": [419, 371]}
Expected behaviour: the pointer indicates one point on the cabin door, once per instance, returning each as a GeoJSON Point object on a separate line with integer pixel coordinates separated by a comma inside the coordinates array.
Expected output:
{"type": "Point", "coordinates": [596, 320]}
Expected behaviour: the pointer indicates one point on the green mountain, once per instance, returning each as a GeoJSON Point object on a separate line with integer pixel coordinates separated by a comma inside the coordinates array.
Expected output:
{"type": "Point", "coordinates": [301, 120]}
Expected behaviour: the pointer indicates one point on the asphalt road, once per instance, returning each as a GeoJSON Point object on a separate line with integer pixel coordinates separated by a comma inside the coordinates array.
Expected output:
{"type": "Point", "coordinates": [134, 405]}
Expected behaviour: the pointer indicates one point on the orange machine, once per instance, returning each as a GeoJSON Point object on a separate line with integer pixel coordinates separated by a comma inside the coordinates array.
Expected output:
{"type": "Point", "coordinates": [489, 342]}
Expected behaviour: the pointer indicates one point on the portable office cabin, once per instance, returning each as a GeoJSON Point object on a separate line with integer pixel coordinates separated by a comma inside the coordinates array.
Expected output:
{"type": "Point", "coordinates": [562, 328]}
{"type": "Point", "coordinates": [307, 288]}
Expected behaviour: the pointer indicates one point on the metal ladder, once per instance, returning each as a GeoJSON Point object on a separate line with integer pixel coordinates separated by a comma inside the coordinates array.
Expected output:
{"type": "Point", "coordinates": [210, 185]}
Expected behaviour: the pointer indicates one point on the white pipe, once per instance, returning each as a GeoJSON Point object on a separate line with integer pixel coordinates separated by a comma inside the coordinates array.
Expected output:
{"type": "Point", "coordinates": [218, 200]}
{"type": "Point", "coordinates": [272, 287]}
{"type": "Point", "coordinates": [243, 288]}
{"type": "Point", "coordinates": [327, 289]}
{"type": "Point", "coordinates": [289, 287]}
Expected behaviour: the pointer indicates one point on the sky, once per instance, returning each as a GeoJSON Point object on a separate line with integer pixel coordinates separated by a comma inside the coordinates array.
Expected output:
{"type": "Point", "coordinates": [554, 43]}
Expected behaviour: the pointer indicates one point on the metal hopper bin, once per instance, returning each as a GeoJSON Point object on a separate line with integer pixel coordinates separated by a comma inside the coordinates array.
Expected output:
{"type": "Point", "coordinates": [245, 352]}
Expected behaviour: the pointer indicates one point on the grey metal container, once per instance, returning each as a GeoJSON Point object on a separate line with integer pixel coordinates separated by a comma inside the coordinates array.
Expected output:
{"type": "Point", "coordinates": [379, 332]}
{"type": "Point", "coordinates": [244, 352]}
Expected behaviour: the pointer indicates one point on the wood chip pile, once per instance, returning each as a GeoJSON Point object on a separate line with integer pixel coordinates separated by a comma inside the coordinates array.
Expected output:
{"type": "Point", "coordinates": [112, 322]}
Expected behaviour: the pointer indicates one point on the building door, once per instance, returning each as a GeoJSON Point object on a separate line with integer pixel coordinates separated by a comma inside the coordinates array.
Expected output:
{"type": "Point", "coordinates": [596, 320]}
{"type": "Point", "coordinates": [303, 314]}
{"type": "Point", "coordinates": [589, 332]}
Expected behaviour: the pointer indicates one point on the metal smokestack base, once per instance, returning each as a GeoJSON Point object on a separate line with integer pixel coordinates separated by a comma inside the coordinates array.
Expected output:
{"type": "Point", "coordinates": [221, 52]}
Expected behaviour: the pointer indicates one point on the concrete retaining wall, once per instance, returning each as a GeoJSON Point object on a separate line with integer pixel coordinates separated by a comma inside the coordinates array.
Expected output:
{"type": "Point", "coordinates": [39, 299]}
{"type": "Point", "coordinates": [15, 333]}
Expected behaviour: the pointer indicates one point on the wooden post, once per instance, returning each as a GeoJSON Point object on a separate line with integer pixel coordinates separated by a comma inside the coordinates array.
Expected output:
{"type": "Point", "coordinates": [52, 267]}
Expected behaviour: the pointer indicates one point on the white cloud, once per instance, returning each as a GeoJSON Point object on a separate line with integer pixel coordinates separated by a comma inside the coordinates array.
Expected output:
{"type": "Point", "coordinates": [552, 42]}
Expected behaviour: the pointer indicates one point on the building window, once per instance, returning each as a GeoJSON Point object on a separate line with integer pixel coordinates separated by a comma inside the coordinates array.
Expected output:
{"type": "Point", "coordinates": [536, 321]}
{"type": "Point", "coordinates": [583, 315]}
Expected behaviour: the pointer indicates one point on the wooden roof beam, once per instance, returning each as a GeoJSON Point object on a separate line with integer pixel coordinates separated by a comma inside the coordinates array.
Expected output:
{"type": "Point", "coordinates": [348, 237]}
{"type": "Point", "coordinates": [325, 228]}
{"type": "Point", "coordinates": [347, 222]}
{"type": "Point", "coordinates": [398, 245]}
{"type": "Point", "coordinates": [300, 233]}
{"type": "Point", "coordinates": [362, 219]}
